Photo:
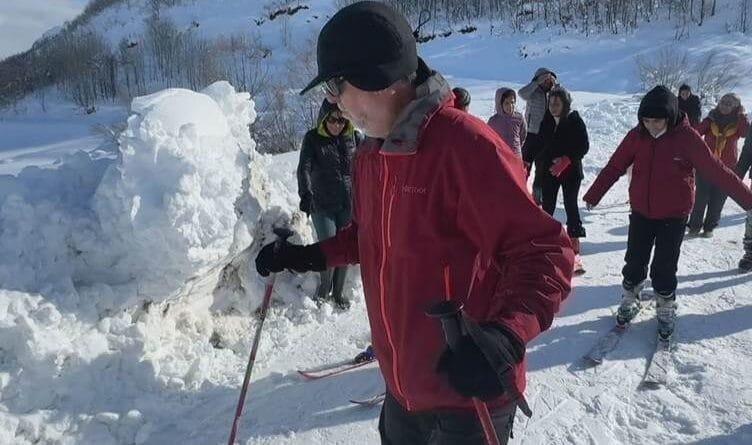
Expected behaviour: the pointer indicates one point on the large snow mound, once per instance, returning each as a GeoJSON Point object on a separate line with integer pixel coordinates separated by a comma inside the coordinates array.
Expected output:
{"type": "Point", "coordinates": [168, 205]}
{"type": "Point", "coordinates": [89, 247]}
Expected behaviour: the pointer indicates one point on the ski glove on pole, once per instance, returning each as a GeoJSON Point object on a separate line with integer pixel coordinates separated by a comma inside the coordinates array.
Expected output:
{"type": "Point", "coordinates": [471, 374]}
{"type": "Point", "coordinates": [290, 256]}
{"type": "Point", "coordinates": [560, 166]}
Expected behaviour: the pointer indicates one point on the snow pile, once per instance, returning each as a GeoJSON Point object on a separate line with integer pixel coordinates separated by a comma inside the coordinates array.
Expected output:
{"type": "Point", "coordinates": [82, 243]}
{"type": "Point", "coordinates": [165, 209]}
{"type": "Point", "coordinates": [168, 205]}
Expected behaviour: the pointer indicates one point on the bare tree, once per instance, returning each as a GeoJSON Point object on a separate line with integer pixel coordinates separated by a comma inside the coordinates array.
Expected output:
{"type": "Point", "coordinates": [669, 67]}
{"type": "Point", "coordinates": [717, 74]}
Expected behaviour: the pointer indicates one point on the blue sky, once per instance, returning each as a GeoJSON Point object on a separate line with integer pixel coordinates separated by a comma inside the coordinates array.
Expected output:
{"type": "Point", "coordinates": [24, 21]}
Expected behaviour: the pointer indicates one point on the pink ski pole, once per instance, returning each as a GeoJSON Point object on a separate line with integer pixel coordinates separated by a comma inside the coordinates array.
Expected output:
{"type": "Point", "coordinates": [282, 235]}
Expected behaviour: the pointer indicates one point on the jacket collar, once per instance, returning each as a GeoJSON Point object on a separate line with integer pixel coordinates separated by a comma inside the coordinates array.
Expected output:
{"type": "Point", "coordinates": [430, 95]}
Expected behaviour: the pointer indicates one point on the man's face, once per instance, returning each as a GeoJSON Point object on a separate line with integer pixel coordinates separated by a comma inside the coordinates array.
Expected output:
{"type": "Point", "coordinates": [684, 94]}
{"type": "Point", "coordinates": [547, 81]}
{"type": "Point", "coordinates": [367, 110]}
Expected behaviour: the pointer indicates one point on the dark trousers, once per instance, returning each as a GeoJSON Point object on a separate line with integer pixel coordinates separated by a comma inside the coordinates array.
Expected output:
{"type": "Point", "coordinates": [710, 197]}
{"type": "Point", "coordinates": [327, 224]}
{"type": "Point", "coordinates": [399, 427]}
{"type": "Point", "coordinates": [532, 145]}
{"type": "Point", "coordinates": [570, 188]}
{"type": "Point", "coordinates": [667, 235]}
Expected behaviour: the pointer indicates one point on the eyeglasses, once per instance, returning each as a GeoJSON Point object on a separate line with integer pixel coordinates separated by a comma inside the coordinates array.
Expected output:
{"type": "Point", "coordinates": [333, 86]}
{"type": "Point", "coordinates": [336, 120]}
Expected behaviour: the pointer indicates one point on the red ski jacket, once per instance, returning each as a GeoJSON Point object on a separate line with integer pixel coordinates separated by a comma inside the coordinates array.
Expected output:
{"type": "Point", "coordinates": [663, 172]}
{"type": "Point", "coordinates": [441, 210]}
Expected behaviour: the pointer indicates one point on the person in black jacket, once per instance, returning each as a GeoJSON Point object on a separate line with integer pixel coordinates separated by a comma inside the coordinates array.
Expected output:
{"type": "Point", "coordinates": [461, 98]}
{"type": "Point", "coordinates": [565, 143]}
{"type": "Point", "coordinates": [742, 168]}
{"type": "Point", "coordinates": [690, 104]}
{"type": "Point", "coordinates": [325, 187]}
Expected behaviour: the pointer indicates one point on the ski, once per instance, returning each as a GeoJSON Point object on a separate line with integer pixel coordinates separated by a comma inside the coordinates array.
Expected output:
{"type": "Point", "coordinates": [605, 344]}
{"type": "Point", "coordinates": [372, 401]}
{"type": "Point", "coordinates": [610, 340]}
{"type": "Point", "coordinates": [658, 368]}
{"type": "Point", "coordinates": [332, 369]}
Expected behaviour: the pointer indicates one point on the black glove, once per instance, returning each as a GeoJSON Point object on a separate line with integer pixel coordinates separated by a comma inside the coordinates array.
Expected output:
{"type": "Point", "coordinates": [279, 255]}
{"type": "Point", "coordinates": [305, 204]}
{"type": "Point", "coordinates": [471, 374]}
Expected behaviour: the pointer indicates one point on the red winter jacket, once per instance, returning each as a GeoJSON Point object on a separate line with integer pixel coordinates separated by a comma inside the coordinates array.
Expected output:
{"type": "Point", "coordinates": [727, 148]}
{"type": "Point", "coordinates": [663, 172]}
{"type": "Point", "coordinates": [444, 210]}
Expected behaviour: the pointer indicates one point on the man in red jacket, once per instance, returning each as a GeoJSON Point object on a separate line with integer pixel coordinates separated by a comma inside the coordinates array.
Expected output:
{"type": "Point", "coordinates": [440, 212]}
{"type": "Point", "coordinates": [664, 152]}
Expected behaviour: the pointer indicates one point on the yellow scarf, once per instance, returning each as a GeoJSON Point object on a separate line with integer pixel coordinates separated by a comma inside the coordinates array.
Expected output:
{"type": "Point", "coordinates": [721, 136]}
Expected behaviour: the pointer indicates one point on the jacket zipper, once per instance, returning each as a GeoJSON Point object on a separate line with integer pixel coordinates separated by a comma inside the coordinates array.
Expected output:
{"type": "Point", "coordinates": [385, 225]}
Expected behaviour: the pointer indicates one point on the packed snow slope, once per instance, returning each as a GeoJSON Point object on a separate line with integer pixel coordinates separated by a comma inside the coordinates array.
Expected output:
{"type": "Point", "coordinates": [128, 297]}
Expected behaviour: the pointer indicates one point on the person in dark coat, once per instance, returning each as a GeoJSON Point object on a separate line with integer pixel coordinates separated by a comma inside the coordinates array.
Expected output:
{"type": "Point", "coordinates": [461, 98]}
{"type": "Point", "coordinates": [664, 152]}
{"type": "Point", "coordinates": [325, 187]}
{"type": "Point", "coordinates": [742, 169]}
{"type": "Point", "coordinates": [565, 143]}
{"type": "Point", "coordinates": [690, 104]}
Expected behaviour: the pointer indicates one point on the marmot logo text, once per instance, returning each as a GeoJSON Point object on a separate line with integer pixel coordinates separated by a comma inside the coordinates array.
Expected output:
{"type": "Point", "coordinates": [414, 190]}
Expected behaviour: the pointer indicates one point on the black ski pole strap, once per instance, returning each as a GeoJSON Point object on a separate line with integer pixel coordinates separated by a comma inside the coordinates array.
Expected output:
{"type": "Point", "coordinates": [499, 358]}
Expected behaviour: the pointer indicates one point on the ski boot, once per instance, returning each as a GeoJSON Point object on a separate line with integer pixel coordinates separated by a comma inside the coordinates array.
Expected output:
{"type": "Point", "coordinates": [579, 269]}
{"type": "Point", "coordinates": [665, 308]}
{"type": "Point", "coordinates": [366, 356]}
{"type": "Point", "coordinates": [630, 303]}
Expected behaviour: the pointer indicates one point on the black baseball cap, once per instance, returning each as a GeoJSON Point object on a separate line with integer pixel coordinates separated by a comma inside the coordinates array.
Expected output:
{"type": "Point", "coordinates": [369, 44]}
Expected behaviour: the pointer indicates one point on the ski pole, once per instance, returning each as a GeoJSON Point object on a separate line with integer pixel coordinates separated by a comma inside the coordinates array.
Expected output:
{"type": "Point", "coordinates": [282, 235]}
{"type": "Point", "coordinates": [449, 313]}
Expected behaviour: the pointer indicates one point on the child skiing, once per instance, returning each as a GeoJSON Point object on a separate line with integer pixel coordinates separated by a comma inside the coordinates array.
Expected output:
{"type": "Point", "coordinates": [664, 152]}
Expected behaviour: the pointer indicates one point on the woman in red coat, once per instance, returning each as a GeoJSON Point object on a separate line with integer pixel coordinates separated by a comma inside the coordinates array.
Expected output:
{"type": "Point", "coordinates": [722, 129]}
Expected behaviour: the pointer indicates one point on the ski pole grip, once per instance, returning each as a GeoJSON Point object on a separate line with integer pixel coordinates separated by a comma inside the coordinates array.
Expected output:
{"type": "Point", "coordinates": [449, 313]}
{"type": "Point", "coordinates": [282, 234]}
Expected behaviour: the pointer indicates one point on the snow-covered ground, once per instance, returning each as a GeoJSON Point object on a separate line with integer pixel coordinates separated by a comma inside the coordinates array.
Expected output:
{"type": "Point", "coordinates": [127, 298]}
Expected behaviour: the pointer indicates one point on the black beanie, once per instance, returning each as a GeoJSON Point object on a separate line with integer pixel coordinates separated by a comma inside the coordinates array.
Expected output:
{"type": "Point", "coordinates": [369, 44]}
{"type": "Point", "coordinates": [659, 103]}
